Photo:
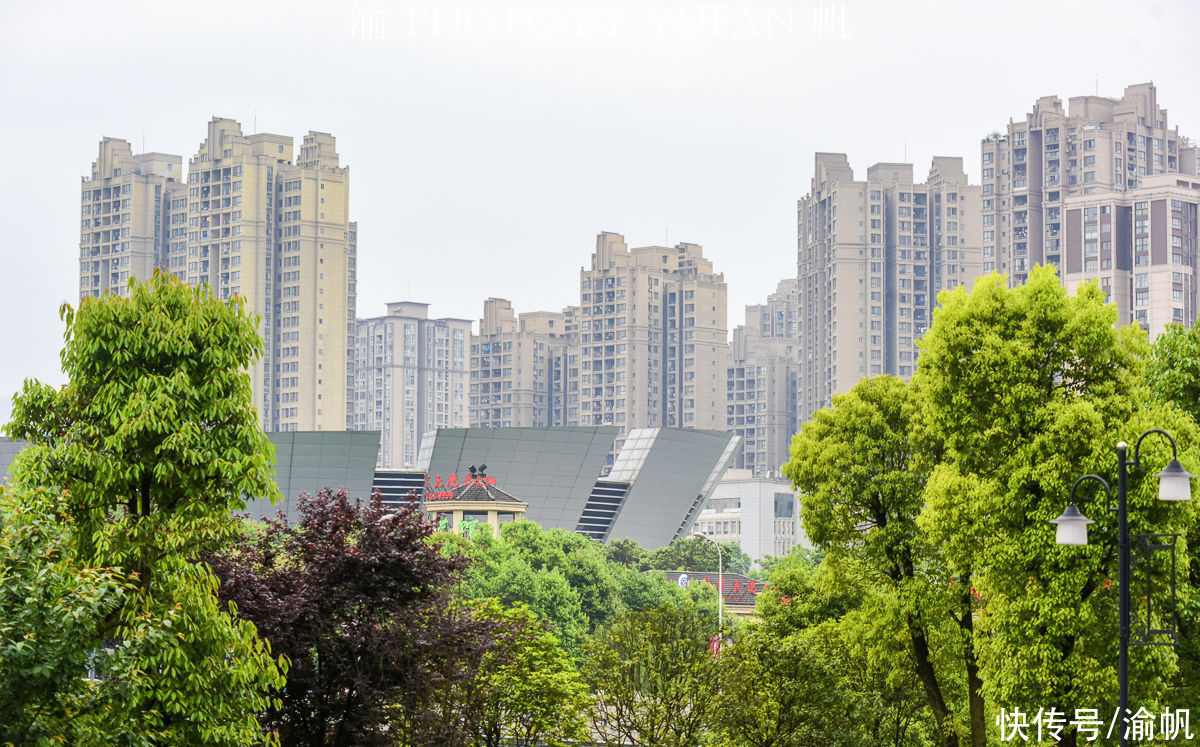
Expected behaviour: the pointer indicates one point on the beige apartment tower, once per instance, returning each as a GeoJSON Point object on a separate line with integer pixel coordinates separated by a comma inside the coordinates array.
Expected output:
{"type": "Point", "coordinates": [124, 214]}
{"type": "Point", "coordinates": [250, 220]}
{"type": "Point", "coordinates": [761, 381]}
{"type": "Point", "coordinates": [519, 368]}
{"type": "Point", "coordinates": [1104, 191]}
{"type": "Point", "coordinates": [1141, 247]}
{"type": "Point", "coordinates": [872, 257]}
{"type": "Point", "coordinates": [1095, 145]}
{"type": "Point", "coordinates": [274, 230]}
{"type": "Point", "coordinates": [411, 376]}
{"type": "Point", "coordinates": [653, 339]}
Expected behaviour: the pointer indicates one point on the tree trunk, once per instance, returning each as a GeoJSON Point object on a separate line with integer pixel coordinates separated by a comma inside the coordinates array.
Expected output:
{"type": "Point", "coordinates": [974, 683]}
{"type": "Point", "coordinates": [933, 692]}
{"type": "Point", "coordinates": [145, 491]}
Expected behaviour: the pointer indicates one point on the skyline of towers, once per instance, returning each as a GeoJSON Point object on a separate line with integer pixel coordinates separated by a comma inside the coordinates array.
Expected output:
{"type": "Point", "coordinates": [1103, 189]}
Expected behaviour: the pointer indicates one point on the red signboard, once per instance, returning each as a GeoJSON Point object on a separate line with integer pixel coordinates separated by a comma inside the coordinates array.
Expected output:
{"type": "Point", "coordinates": [443, 487]}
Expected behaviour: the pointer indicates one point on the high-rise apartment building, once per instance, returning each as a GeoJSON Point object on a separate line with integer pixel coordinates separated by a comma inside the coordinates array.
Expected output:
{"type": "Point", "coordinates": [872, 257]}
{"type": "Point", "coordinates": [653, 334]}
{"type": "Point", "coordinates": [518, 368]}
{"type": "Point", "coordinates": [124, 214]}
{"type": "Point", "coordinates": [251, 221]}
{"type": "Point", "coordinates": [411, 376]}
{"type": "Point", "coordinates": [761, 386]}
{"type": "Point", "coordinates": [1140, 245]}
{"type": "Point", "coordinates": [1102, 191]}
{"type": "Point", "coordinates": [1097, 144]}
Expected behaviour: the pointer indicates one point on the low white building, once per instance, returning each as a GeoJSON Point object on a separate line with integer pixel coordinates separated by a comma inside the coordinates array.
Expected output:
{"type": "Point", "coordinates": [759, 513]}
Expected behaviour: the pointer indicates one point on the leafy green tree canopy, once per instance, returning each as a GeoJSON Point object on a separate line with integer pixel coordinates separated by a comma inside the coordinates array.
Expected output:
{"type": "Point", "coordinates": [1023, 390]}
{"type": "Point", "coordinates": [654, 679]}
{"type": "Point", "coordinates": [157, 418]}
{"type": "Point", "coordinates": [151, 443]}
{"type": "Point", "coordinates": [50, 611]}
{"type": "Point", "coordinates": [693, 554]}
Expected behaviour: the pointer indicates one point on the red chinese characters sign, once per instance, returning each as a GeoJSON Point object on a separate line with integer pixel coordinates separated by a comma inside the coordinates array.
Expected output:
{"type": "Point", "coordinates": [442, 488]}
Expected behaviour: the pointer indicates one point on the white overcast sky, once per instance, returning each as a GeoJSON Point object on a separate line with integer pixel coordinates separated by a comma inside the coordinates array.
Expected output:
{"type": "Point", "coordinates": [490, 142]}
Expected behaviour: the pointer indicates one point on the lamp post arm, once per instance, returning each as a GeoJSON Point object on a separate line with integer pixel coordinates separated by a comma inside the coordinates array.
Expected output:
{"type": "Point", "coordinates": [1095, 478]}
{"type": "Point", "coordinates": [1136, 463]}
{"type": "Point", "coordinates": [720, 597]}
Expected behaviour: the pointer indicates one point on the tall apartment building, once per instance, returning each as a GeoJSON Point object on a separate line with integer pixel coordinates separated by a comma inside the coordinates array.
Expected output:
{"type": "Point", "coordinates": [653, 334]}
{"type": "Point", "coordinates": [761, 387]}
{"type": "Point", "coordinates": [248, 221]}
{"type": "Point", "coordinates": [124, 214]}
{"type": "Point", "coordinates": [1101, 191]}
{"type": "Point", "coordinates": [1097, 144]}
{"type": "Point", "coordinates": [411, 376]}
{"type": "Point", "coordinates": [1141, 245]}
{"type": "Point", "coordinates": [518, 368]}
{"type": "Point", "coordinates": [872, 257]}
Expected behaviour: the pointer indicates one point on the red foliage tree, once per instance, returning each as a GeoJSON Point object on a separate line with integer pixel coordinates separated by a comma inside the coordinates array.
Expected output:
{"type": "Point", "coordinates": [361, 604]}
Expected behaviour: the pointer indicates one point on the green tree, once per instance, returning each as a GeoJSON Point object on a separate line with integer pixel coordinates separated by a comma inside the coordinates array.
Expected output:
{"type": "Point", "coordinates": [1021, 391]}
{"type": "Point", "coordinates": [627, 552]}
{"type": "Point", "coordinates": [768, 563]}
{"type": "Point", "coordinates": [504, 572]}
{"type": "Point", "coordinates": [153, 442]}
{"type": "Point", "coordinates": [566, 579]}
{"type": "Point", "coordinates": [1173, 375]}
{"type": "Point", "coordinates": [1173, 371]}
{"type": "Point", "coordinates": [842, 633]}
{"type": "Point", "coordinates": [861, 480]}
{"type": "Point", "coordinates": [819, 685]}
{"type": "Point", "coordinates": [528, 691]}
{"type": "Point", "coordinates": [654, 680]}
{"type": "Point", "coordinates": [693, 554]}
{"type": "Point", "coordinates": [50, 611]}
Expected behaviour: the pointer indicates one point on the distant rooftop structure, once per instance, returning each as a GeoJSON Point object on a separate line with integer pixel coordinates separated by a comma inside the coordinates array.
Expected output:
{"type": "Point", "coordinates": [473, 501]}
{"type": "Point", "coordinates": [739, 592]}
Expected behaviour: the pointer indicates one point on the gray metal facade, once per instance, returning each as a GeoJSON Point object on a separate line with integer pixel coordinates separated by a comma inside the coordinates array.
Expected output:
{"type": "Point", "coordinates": [551, 469]}
{"type": "Point", "coordinates": [670, 473]}
{"type": "Point", "coordinates": [8, 452]}
{"type": "Point", "coordinates": [670, 485]}
{"type": "Point", "coordinates": [307, 461]}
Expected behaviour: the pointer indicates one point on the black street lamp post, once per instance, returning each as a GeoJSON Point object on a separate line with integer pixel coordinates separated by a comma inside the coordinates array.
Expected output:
{"type": "Point", "coordinates": [1174, 484]}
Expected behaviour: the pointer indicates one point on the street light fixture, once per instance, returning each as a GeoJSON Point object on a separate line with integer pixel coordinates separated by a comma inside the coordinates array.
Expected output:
{"type": "Point", "coordinates": [1174, 484]}
{"type": "Point", "coordinates": [720, 588]}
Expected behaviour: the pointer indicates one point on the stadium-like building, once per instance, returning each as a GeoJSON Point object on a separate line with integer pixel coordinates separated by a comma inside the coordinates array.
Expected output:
{"type": "Point", "coordinates": [659, 481]}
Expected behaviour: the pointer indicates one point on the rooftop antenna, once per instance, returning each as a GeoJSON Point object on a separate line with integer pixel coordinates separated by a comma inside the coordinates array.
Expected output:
{"type": "Point", "coordinates": [256, 121]}
{"type": "Point", "coordinates": [667, 233]}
